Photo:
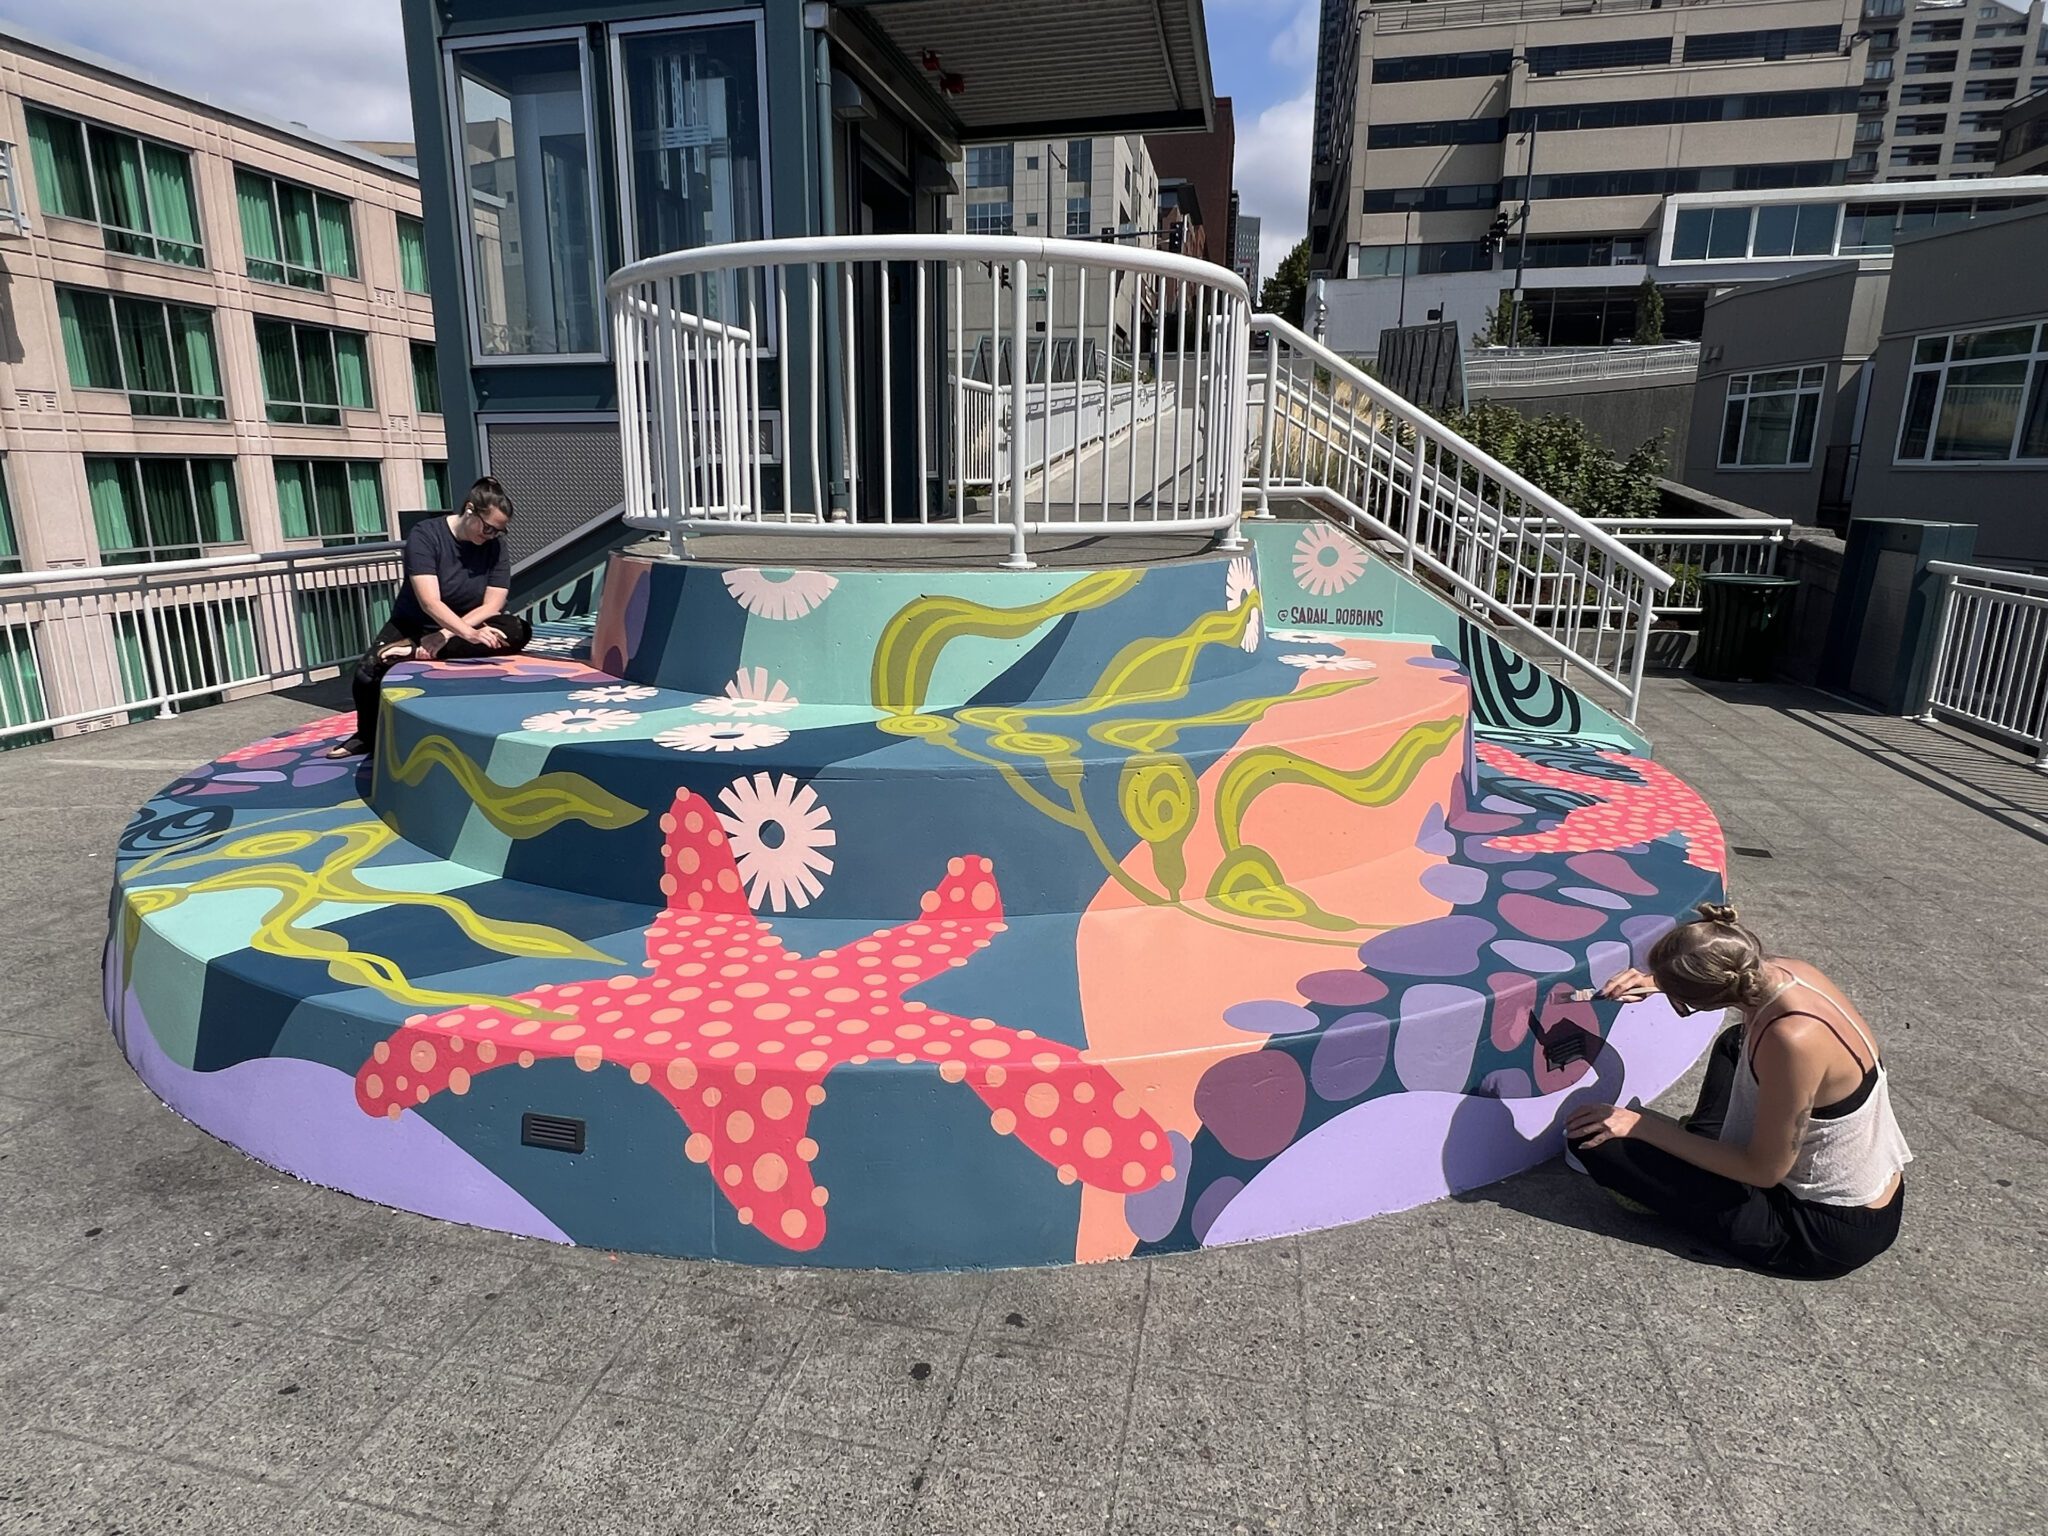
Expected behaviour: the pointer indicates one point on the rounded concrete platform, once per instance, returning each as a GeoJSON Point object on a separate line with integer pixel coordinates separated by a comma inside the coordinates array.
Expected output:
{"type": "Point", "coordinates": [948, 918]}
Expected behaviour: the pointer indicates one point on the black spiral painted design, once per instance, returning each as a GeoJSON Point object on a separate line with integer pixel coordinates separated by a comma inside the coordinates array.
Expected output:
{"type": "Point", "coordinates": [1510, 691]}
{"type": "Point", "coordinates": [149, 831]}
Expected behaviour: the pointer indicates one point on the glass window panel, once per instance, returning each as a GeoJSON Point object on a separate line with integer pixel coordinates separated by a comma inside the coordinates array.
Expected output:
{"type": "Point", "coordinates": [1729, 238]}
{"type": "Point", "coordinates": [434, 472]}
{"type": "Point", "coordinates": [301, 234]}
{"type": "Point", "coordinates": [1815, 233]}
{"type": "Point", "coordinates": [1919, 416]}
{"type": "Point", "coordinates": [1802, 428]}
{"type": "Point", "coordinates": [91, 352]}
{"type": "Point", "coordinates": [1980, 407]}
{"type": "Point", "coordinates": [2034, 426]}
{"type": "Point", "coordinates": [173, 209]}
{"type": "Point", "coordinates": [1780, 379]}
{"type": "Point", "coordinates": [1731, 429]}
{"type": "Point", "coordinates": [426, 379]}
{"type": "Point", "coordinates": [213, 485]}
{"type": "Point", "coordinates": [527, 164]}
{"type": "Point", "coordinates": [116, 509]}
{"type": "Point", "coordinates": [337, 236]}
{"type": "Point", "coordinates": [1776, 226]}
{"type": "Point", "coordinates": [352, 366]}
{"type": "Point", "coordinates": [117, 173]}
{"type": "Point", "coordinates": [167, 502]}
{"type": "Point", "coordinates": [278, 355]}
{"type": "Point", "coordinates": [146, 357]}
{"type": "Point", "coordinates": [319, 387]}
{"type": "Point", "coordinates": [1982, 344]}
{"type": "Point", "coordinates": [57, 147]}
{"type": "Point", "coordinates": [1689, 239]}
{"type": "Point", "coordinates": [294, 498]}
{"type": "Point", "coordinates": [1767, 431]}
{"type": "Point", "coordinates": [366, 501]}
{"type": "Point", "coordinates": [694, 122]}
{"type": "Point", "coordinates": [261, 244]}
{"type": "Point", "coordinates": [412, 254]}
{"type": "Point", "coordinates": [1930, 349]}
{"type": "Point", "coordinates": [198, 365]}
{"type": "Point", "coordinates": [10, 546]}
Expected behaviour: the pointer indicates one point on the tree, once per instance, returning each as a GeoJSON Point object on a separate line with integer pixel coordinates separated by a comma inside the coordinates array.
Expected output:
{"type": "Point", "coordinates": [1649, 313]}
{"type": "Point", "coordinates": [1494, 329]}
{"type": "Point", "coordinates": [1561, 456]}
{"type": "Point", "coordinates": [1286, 291]}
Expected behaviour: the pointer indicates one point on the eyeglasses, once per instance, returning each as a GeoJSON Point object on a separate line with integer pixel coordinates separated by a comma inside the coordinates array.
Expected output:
{"type": "Point", "coordinates": [491, 530]}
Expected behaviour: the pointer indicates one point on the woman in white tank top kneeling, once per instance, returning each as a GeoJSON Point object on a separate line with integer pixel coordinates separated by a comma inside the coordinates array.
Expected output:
{"type": "Point", "coordinates": [1793, 1161]}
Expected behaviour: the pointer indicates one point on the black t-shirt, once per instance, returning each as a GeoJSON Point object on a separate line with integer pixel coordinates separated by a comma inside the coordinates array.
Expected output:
{"type": "Point", "coordinates": [465, 570]}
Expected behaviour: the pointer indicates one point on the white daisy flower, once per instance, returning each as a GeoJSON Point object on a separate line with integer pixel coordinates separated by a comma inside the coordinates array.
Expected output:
{"type": "Point", "coordinates": [1328, 663]}
{"type": "Point", "coordinates": [1238, 582]}
{"type": "Point", "coordinates": [579, 722]}
{"type": "Point", "coordinates": [751, 693]}
{"type": "Point", "coordinates": [1250, 638]}
{"type": "Point", "coordinates": [1325, 562]}
{"type": "Point", "coordinates": [779, 829]}
{"type": "Point", "coordinates": [771, 594]}
{"type": "Point", "coordinates": [734, 736]}
{"type": "Point", "coordinates": [614, 693]}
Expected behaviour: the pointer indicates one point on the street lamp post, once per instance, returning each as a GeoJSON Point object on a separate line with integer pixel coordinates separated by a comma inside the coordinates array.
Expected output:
{"type": "Point", "coordinates": [1528, 197]}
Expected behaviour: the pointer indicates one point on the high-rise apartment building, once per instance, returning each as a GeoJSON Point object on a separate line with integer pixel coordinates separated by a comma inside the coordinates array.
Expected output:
{"type": "Point", "coordinates": [1244, 255]}
{"type": "Point", "coordinates": [1937, 77]}
{"type": "Point", "coordinates": [222, 339]}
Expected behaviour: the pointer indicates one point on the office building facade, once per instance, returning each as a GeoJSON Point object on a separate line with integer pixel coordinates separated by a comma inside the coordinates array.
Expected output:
{"type": "Point", "coordinates": [224, 339]}
{"type": "Point", "coordinates": [1244, 255]}
{"type": "Point", "coordinates": [2023, 137]}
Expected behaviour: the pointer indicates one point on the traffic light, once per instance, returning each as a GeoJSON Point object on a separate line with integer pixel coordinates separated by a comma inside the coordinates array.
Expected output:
{"type": "Point", "coordinates": [1496, 237]}
{"type": "Point", "coordinates": [1174, 233]}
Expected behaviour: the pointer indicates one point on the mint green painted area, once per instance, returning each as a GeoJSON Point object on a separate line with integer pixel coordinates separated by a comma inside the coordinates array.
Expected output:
{"type": "Point", "coordinates": [1380, 600]}
{"type": "Point", "coordinates": [827, 656]}
{"type": "Point", "coordinates": [172, 977]}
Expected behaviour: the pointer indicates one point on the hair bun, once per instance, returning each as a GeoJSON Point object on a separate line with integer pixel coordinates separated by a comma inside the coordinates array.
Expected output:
{"type": "Point", "coordinates": [1715, 912]}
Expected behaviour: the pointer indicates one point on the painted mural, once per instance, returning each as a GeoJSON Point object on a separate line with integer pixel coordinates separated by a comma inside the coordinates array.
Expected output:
{"type": "Point", "coordinates": [920, 920]}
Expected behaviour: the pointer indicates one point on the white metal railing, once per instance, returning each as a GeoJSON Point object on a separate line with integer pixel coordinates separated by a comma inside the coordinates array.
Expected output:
{"type": "Point", "coordinates": [13, 217]}
{"type": "Point", "coordinates": [868, 348]}
{"type": "Point", "coordinates": [82, 649]}
{"type": "Point", "coordinates": [1687, 548]}
{"type": "Point", "coordinates": [1491, 369]}
{"type": "Point", "coordinates": [1332, 434]}
{"type": "Point", "coordinates": [1990, 666]}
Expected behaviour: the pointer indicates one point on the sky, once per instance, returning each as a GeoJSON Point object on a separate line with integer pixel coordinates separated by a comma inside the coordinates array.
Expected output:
{"type": "Point", "coordinates": [339, 68]}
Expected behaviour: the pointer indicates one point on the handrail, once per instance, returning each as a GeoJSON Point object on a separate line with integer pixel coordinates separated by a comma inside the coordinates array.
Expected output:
{"type": "Point", "coordinates": [1990, 576]}
{"type": "Point", "coordinates": [864, 348]}
{"type": "Point", "coordinates": [1001, 249]}
{"type": "Point", "coordinates": [1527, 490]}
{"type": "Point", "coordinates": [1989, 670]}
{"type": "Point", "coordinates": [150, 568]}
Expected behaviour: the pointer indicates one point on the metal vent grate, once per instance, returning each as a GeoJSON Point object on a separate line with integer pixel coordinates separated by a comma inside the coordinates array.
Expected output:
{"type": "Point", "coordinates": [560, 474]}
{"type": "Point", "coordinates": [554, 1133]}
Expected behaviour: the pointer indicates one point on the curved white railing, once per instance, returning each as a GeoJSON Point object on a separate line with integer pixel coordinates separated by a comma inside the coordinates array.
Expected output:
{"type": "Point", "coordinates": [1331, 434]}
{"type": "Point", "coordinates": [1990, 665]}
{"type": "Point", "coordinates": [931, 384]}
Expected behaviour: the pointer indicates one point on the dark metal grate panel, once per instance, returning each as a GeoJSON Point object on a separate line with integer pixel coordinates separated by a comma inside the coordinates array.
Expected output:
{"type": "Point", "coordinates": [560, 475]}
{"type": "Point", "coordinates": [553, 1133]}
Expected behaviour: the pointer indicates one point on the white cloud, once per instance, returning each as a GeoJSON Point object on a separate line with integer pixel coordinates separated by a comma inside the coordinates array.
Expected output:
{"type": "Point", "coordinates": [337, 68]}
{"type": "Point", "coordinates": [1294, 45]}
{"type": "Point", "coordinates": [1272, 173]}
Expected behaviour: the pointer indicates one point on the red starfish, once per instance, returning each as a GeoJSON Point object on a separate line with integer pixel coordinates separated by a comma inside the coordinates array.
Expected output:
{"type": "Point", "coordinates": [739, 1035]}
{"type": "Point", "coordinates": [1628, 813]}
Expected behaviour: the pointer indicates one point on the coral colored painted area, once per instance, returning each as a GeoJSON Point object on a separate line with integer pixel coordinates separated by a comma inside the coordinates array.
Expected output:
{"type": "Point", "coordinates": [923, 919]}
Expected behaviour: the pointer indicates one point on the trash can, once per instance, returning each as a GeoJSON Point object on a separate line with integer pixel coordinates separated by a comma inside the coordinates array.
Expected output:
{"type": "Point", "coordinates": [1743, 621]}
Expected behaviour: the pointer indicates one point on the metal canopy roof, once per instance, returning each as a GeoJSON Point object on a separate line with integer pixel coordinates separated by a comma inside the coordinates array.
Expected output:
{"type": "Point", "coordinates": [1032, 67]}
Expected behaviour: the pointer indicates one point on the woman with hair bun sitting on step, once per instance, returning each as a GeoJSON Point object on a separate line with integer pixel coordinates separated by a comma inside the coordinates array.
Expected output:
{"type": "Point", "coordinates": [1793, 1161]}
{"type": "Point", "coordinates": [458, 574]}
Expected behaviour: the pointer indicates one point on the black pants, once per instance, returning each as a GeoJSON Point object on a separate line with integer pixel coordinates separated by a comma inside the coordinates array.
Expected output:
{"type": "Point", "coordinates": [1772, 1229]}
{"type": "Point", "coordinates": [368, 682]}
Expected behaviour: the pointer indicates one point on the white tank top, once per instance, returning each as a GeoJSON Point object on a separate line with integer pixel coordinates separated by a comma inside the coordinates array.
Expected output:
{"type": "Point", "coordinates": [1844, 1160]}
